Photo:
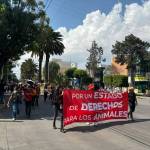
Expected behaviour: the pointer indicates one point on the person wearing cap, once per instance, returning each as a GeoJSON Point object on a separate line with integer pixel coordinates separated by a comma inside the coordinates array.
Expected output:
{"type": "Point", "coordinates": [132, 102]}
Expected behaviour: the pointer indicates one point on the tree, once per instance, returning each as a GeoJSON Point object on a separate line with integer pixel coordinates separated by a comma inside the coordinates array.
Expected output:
{"type": "Point", "coordinates": [60, 80]}
{"type": "Point", "coordinates": [29, 70]}
{"type": "Point", "coordinates": [53, 46]}
{"type": "Point", "coordinates": [8, 74]}
{"type": "Point", "coordinates": [145, 65]}
{"type": "Point", "coordinates": [82, 76]}
{"type": "Point", "coordinates": [108, 80]}
{"type": "Point", "coordinates": [70, 73]}
{"type": "Point", "coordinates": [120, 81]}
{"type": "Point", "coordinates": [116, 81]}
{"type": "Point", "coordinates": [38, 45]}
{"type": "Point", "coordinates": [54, 69]}
{"type": "Point", "coordinates": [79, 73]}
{"type": "Point", "coordinates": [131, 51]}
{"type": "Point", "coordinates": [94, 59]}
{"type": "Point", "coordinates": [108, 70]}
{"type": "Point", "coordinates": [18, 28]}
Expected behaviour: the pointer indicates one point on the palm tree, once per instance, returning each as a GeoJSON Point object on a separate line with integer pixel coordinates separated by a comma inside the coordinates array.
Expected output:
{"type": "Point", "coordinates": [37, 51]}
{"type": "Point", "coordinates": [38, 45]}
{"type": "Point", "coordinates": [53, 46]}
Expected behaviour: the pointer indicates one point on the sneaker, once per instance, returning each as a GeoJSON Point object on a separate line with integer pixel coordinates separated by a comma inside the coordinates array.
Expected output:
{"type": "Point", "coordinates": [62, 130]}
{"type": "Point", "coordinates": [13, 119]}
{"type": "Point", "coordinates": [54, 127]}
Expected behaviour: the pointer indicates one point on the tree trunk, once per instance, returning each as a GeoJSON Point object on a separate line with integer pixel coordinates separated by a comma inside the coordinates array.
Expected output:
{"type": "Point", "coordinates": [47, 68]}
{"type": "Point", "coordinates": [40, 66]}
{"type": "Point", "coordinates": [131, 77]}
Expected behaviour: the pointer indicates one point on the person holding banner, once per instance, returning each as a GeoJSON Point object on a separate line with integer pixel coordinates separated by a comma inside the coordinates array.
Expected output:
{"type": "Point", "coordinates": [57, 101]}
{"type": "Point", "coordinates": [92, 87]}
{"type": "Point", "coordinates": [132, 102]}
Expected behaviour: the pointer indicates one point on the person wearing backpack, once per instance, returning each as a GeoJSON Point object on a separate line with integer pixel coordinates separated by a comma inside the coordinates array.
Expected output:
{"type": "Point", "coordinates": [13, 102]}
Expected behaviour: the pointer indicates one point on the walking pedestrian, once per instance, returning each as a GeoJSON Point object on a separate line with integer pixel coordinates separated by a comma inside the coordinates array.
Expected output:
{"type": "Point", "coordinates": [13, 102]}
{"type": "Point", "coordinates": [51, 90]}
{"type": "Point", "coordinates": [37, 88]}
{"type": "Point", "coordinates": [28, 97]}
{"type": "Point", "coordinates": [132, 102]}
{"type": "Point", "coordinates": [33, 95]}
{"type": "Point", "coordinates": [45, 92]}
{"type": "Point", "coordinates": [57, 101]}
{"type": "Point", "coordinates": [2, 91]}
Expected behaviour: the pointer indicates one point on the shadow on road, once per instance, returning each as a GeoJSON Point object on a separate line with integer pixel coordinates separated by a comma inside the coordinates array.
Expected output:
{"type": "Point", "coordinates": [3, 120]}
{"type": "Point", "coordinates": [42, 112]}
{"type": "Point", "coordinates": [103, 126]}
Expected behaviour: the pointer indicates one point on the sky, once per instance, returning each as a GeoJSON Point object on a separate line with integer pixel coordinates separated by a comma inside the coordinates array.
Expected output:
{"type": "Point", "coordinates": [71, 13]}
{"type": "Point", "coordinates": [105, 21]}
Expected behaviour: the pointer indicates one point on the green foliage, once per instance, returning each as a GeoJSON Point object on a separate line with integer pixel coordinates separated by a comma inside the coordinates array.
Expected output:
{"type": "Point", "coordinates": [25, 26]}
{"type": "Point", "coordinates": [38, 45]}
{"type": "Point", "coordinates": [116, 81]}
{"type": "Point", "coordinates": [8, 74]}
{"type": "Point", "coordinates": [87, 80]}
{"type": "Point", "coordinates": [145, 65]}
{"type": "Point", "coordinates": [70, 72]}
{"type": "Point", "coordinates": [79, 73]}
{"type": "Point", "coordinates": [132, 51]}
{"type": "Point", "coordinates": [120, 81]}
{"type": "Point", "coordinates": [53, 46]}
{"type": "Point", "coordinates": [29, 70]}
{"type": "Point", "coordinates": [60, 79]}
{"type": "Point", "coordinates": [18, 28]}
{"type": "Point", "coordinates": [95, 58]}
{"type": "Point", "coordinates": [83, 76]}
{"type": "Point", "coordinates": [108, 80]}
{"type": "Point", "coordinates": [54, 69]}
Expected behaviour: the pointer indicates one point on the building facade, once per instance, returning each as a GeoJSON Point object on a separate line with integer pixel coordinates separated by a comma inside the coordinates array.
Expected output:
{"type": "Point", "coordinates": [64, 65]}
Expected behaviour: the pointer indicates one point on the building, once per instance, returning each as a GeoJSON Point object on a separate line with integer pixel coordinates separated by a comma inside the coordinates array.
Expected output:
{"type": "Point", "coordinates": [142, 76]}
{"type": "Point", "coordinates": [142, 79]}
{"type": "Point", "coordinates": [119, 69]}
{"type": "Point", "coordinates": [64, 65]}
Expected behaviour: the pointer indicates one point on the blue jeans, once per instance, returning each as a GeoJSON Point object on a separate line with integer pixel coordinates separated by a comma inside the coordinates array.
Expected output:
{"type": "Point", "coordinates": [15, 109]}
{"type": "Point", "coordinates": [1, 98]}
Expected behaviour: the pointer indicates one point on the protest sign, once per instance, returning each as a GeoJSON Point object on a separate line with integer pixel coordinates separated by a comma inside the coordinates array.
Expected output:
{"type": "Point", "coordinates": [94, 106]}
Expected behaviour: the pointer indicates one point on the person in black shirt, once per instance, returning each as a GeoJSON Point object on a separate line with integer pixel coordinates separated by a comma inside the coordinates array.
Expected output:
{"type": "Point", "coordinates": [132, 102]}
{"type": "Point", "coordinates": [57, 101]}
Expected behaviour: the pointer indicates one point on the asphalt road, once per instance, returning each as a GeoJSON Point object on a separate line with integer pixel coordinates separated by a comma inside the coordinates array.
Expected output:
{"type": "Point", "coordinates": [37, 133]}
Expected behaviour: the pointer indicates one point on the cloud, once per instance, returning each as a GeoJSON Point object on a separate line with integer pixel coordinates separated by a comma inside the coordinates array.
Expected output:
{"type": "Point", "coordinates": [105, 29]}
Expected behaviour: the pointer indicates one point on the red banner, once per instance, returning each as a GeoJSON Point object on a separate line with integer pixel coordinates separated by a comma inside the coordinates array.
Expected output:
{"type": "Point", "coordinates": [94, 106]}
